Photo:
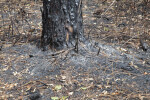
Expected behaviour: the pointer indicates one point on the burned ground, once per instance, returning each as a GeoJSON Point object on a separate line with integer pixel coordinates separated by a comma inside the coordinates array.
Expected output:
{"type": "Point", "coordinates": [112, 64]}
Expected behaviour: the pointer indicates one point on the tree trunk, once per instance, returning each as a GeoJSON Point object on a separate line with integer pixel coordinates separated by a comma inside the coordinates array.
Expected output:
{"type": "Point", "coordinates": [62, 23]}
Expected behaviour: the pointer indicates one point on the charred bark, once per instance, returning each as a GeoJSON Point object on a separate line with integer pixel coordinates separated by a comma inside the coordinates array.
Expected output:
{"type": "Point", "coordinates": [62, 23]}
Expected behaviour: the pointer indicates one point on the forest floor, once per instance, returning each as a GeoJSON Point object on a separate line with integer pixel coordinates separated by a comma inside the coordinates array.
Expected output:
{"type": "Point", "coordinates": [113, 64]}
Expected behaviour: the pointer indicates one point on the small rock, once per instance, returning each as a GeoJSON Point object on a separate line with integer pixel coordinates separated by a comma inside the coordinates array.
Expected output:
{"type": "Point", "coordinates": [31, 56]}
{"type": "Point", "coordinates": [34, 96]}
{"type": "Point", "coordinates": [144, 45]}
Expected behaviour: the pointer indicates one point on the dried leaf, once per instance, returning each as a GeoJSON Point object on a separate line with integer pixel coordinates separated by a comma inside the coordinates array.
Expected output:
{"type": "Point", "coordinates": [83, 88]}
{"type": "Point", "coordinates": [31, 30]}
{"type": "Point", "coordinates": [58, 87]}
{"type": "Point", "coordinates": [67, 36]}
{"type": "Point", "coordinates": [70, 93]}
{"type": "Point", "coordinates": [54, 98]}
{"type": "Point", "coordinates": [105, 92]}
{"type": "Point", "coordinates": [115, 93]}
{"type": "Point", "coordinates": [64, 98]}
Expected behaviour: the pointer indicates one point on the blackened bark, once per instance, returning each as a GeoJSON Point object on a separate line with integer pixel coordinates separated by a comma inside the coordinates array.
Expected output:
{"type": "Point", "coordinates": [62, 23]}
